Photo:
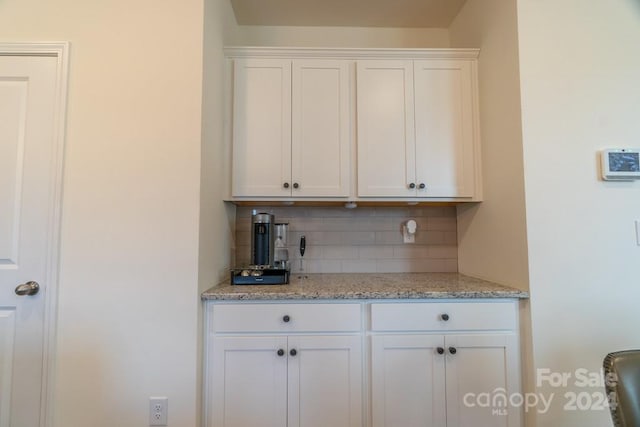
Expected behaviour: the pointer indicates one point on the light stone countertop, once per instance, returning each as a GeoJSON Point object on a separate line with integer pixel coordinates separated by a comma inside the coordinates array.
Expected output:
{"type": "Point", "coordinates": [367, 286]}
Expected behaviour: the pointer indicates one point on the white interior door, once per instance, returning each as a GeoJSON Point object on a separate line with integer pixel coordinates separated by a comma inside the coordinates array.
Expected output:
{"type": "Point", "coordinates": [28, 104]}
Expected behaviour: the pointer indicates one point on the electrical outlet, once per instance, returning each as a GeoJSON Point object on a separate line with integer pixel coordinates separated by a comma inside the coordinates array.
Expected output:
{"type": "Point", "coordinates": [409, 231]}
{"type": "Point", "coordinates": [158, 407]}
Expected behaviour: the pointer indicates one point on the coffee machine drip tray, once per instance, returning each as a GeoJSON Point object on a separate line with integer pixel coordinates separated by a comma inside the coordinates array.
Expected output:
{"type": "Point", "coordinates": [259, 276]}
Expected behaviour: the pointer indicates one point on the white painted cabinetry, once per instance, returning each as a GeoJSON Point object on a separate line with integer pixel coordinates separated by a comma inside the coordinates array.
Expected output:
{"type": "Point", "coordinates": [425, 363]}
{"type": "Point", "coordinates": [417, 128]}
{"type": "Point", "coordinates": [436, 364]}
{"type": "Point", "coordinates": [261, 127]}
{"type": "Point", "coordinates": [291, 128]}
{"type": "Point", "coordinates": [248, 381]}
{"type": "Point", "coordinates": [386, 137]}
{"type": "Point", "coordinates": [411, 134]}
{"type": "Point", "coordinates": [321, 146]}
{"type": "Point", "coordinates": [294, 365]}
{"type": "Point", "coordinates": [446, 127]}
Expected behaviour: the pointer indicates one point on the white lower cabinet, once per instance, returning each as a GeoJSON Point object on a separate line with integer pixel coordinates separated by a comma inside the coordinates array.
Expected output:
{"type": "Point", "coordinates": [290, 378]}
{"type": "Point", "coordinates": [248, 382]}
{"type": "Point", "coordinates": [429, 364]}
{"type": "Point", "coordinates": [408, 381]}
{"type": "Point", "coordinates": [428, 370]}
{"type": "Point", "coordinates": [325, 381]}
{"type": "Point", "coordinates": [414, 385]}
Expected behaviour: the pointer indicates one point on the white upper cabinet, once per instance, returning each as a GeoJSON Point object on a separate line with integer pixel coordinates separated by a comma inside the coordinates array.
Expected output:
{"type": "Point", "coordinates": [291, 128]}
{"type": "Point", "coordinates": [261, 127]}
{"type": "Point", "coordinates": [444, 123]}
{"type": "Point", "coordinates": [320, 162]}
{"type": "Point", "coordinates": [386, 137]}
{"type": "Point", "coordinates": [416, 128]}
{"type": "Point", "coordinates": [306, 123]}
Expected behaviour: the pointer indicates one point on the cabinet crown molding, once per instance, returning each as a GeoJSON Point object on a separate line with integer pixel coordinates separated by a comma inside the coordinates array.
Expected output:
{"type": "Point", "coordinates": [350, 53]}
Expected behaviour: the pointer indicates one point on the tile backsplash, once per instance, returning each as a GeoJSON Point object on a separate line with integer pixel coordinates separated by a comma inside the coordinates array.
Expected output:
{"type": "Point", "coordinates": [365, 239]}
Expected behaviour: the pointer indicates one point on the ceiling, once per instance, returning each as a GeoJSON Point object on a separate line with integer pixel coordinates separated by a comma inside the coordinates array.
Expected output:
{"type": "Point", "coordinates": [351, 13]}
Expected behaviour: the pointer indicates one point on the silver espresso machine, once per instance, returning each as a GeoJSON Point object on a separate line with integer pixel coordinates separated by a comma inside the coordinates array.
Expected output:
{"type": "Point", "coordinates": [262, 240]}
{"type": "Point", "coordinates": [269, 257]}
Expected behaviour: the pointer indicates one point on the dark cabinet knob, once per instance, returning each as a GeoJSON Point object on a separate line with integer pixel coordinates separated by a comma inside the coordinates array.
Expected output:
{"type": "Point", "coordinates": [286, 318]}
{"type": "Point", "coordinates": [285, 185]}
{"type": "Point", "coordinates": [422, 186]}
{"type": "Point", "coordinates": [444, 317]}
{"type": "Point", "coordinates": [296, 185]}
{"type": "Point", "coordinates": [412, 186]}
{"type": "Point", "coordinates": [293, 352]}
{"type": "Point", "coordinates": [440, 350]}
{"type": "Point", "coordinates": [280, 352]}
{"type": "Point", "coordinates": [452, 350]}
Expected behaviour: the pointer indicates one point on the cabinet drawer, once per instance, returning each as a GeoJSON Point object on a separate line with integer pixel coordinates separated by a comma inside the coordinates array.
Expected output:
{"type": "Point", "coordinates": [239, 318]}
{"type": "Point", "coordinates": [431, 316]}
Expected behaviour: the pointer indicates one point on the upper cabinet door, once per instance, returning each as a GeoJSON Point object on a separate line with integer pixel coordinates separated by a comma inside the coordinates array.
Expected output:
{"type": "Point", "coordinates": [262, 128]}
{"type": "Point", "coordinates": [444, 120]}
{"type": "Point", "coordinates": [320, 162]}
{"type": "Point", "coordinates": [386, 139]}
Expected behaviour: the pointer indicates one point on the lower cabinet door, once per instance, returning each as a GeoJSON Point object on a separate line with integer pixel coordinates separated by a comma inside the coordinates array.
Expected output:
{"type": "Point", "coordinates": [483, 376]}
{"type": "Point", "coordinates": [408, 381]}
{"type": "Point", "coordinates": [248, 382]}
{"type": "Point", "coordinates": [325, 381]}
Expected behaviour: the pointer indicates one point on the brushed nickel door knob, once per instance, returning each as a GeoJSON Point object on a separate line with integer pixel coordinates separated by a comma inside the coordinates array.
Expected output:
{"type": "Point", "coordinates": [29, 288]}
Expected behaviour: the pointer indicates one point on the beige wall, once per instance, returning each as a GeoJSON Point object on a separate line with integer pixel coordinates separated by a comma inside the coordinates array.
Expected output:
{"type": "Point", "coordinates": [216, 218]}
{"type": "Point", "coordinates": [579, 62]}
{"type": "Point", "coordinates": [355, 37]}
{"type": "Point", "coordinates": [492, 235]}
{"type": "Point", "coordinates": [133, 226]}
{"type": "Point", "coordinates": [128, 298]}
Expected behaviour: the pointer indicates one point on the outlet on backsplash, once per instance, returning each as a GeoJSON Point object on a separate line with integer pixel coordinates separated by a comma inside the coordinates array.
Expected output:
{"type": "Point", "coordinates": [361, 240]}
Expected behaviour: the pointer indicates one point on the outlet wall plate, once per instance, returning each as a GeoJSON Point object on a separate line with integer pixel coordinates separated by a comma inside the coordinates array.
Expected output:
{"type": "Point", "coordinates": [158, 407]}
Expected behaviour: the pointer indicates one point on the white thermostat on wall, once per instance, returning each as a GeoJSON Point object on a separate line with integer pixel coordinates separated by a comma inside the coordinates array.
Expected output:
{"type": "Point", "coordinates": [620, 164]}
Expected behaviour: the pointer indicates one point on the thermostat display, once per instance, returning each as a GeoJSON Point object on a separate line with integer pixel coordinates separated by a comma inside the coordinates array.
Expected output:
{"type": "Point", "coordinates": [621, 164]}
